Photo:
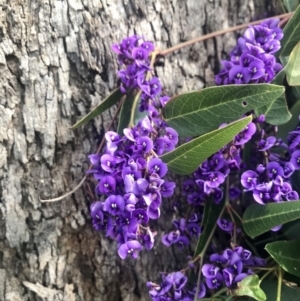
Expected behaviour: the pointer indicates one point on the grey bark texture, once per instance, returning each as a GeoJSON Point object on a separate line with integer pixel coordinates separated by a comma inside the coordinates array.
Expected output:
{"type": "Point", "coordinates": [55, 65]}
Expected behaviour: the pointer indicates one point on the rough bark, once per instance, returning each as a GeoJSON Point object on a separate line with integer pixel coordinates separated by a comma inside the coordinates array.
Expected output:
{"type": "Point", "coordinates": [55, 65]}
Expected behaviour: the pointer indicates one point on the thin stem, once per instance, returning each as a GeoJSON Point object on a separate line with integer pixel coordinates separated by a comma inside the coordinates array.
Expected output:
{"type": "Point", "coordinates": [265, 275]}
{"type": "Point", "coordinates": [220, 292]}
{"type": "Point", "coordinates": [137, 97]}
{"type": "Point", "coordinates": [199, 278]}
{"type": "Point", "coordinates": [90, 167]}
{"type": "Point", "coordinates": [283, 21]}
{"type": "Point", "coordinates": [201, 255]}
{"type": "Point", "coordinates": [236, 214]}
{"type": "Point", "coordinates": [263, 269]}
{"type": "Point", "coordinates": [278, 298]}
{"type": "Point", "coordinates": [66, 194]}
{"type": "Point", "coordinates": [218, 33]}
{"type": "Point", "coordinates": [154, 153]}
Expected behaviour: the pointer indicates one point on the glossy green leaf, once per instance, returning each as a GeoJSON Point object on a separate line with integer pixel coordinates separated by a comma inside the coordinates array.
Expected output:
{"type": "Point", "coordinates": [249, 286]}
{"type": "Point", "coordinates": [291, 34]}
{"type": "Point", "coordinates": [288, 293]}
{"type": "Point", "coordinates": [125, 112]}
{"type": "Point", "coordinates": [195, 113]}
{"type": "Point", "coordinates": [108, 102]}
{"type": "Point", "coordinates": [276, 112]}
{"type": "Point", "coordinates": [187, 157]}
{"type": "Point", "coordinates": [259, 219]}
{"type": "Point", "coordinates": [293, 67]}
{"type": "Point", "coordinates": [212, 212]}
{"type": "Point", "coordinates": [291, 5]}
{"type": "Point", "coordinates": [286, 254]}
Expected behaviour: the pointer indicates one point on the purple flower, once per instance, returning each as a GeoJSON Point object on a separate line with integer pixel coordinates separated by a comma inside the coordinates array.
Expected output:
{"type": "Point", "coordinates": [240, 75]}
{"type": "Point", "coordinates": [262, 193]}
{"type": "Point", "coordinates": [114, 204]}
{"type": "Point", "coordinates": [172, 135]}
{"type": "Point", "coordinates": [169, 239]}
{"type": "Point", "coordinates": [214, 179]}
{"type": "Point", "coordinates": [107, 185]}
{"type": "Point", "coordinates": [266, 144]}
{"type": "Point", "coordinates": [148, 240]}
{"type": "Point", "coordinates": [225, 225]}
{"type": "Point", "coordinates": [295, 159]}
{"type": "Point", "coordinates": [209, 270]}
{"type": "Point", "coordinates": [215, 282]}
{"type": "Point", "coordinates": [167, 189]}
{"type": "Point", "coordinates": [249, 179]}
{"type": "Point", "coordinates": [156, 165]}
{"type": "Point", "coordinates": [140, 53]}
{"type": "Point", "coordinates": [130, 248]}
{"type": "Point", "coordinates": [108, 163]}
{"type": "Point", "coordinates": [273, 170]}
{"type": "Point", "coordinates": [177, 279]}
{"type": "Point", "coordinates": [228, 277]}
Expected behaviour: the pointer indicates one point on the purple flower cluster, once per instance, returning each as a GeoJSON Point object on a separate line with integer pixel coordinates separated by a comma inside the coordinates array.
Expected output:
{"type": "Point", "coordinates": [185, 231]}
{"type": "Point", "coordinates": [211, 174]}
{"type": "Point", "coordinates": [269, 183]}
{"type": "Point", "coordinates": [174, 288]}
{"type": "Point", "coordinates": [229, 268]}
{"type": "Point", "coordinates": [269, 179]}
{"type": "Point", "coordinates": [253, 60]}
{"type": "Point", "coordinates": [129, 173]}
{"type": "Point", "coordinates": [134, 54]}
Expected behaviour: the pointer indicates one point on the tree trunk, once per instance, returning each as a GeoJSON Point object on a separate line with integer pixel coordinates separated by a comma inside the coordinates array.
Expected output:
{"type": "Point", "coordinates": [56, 64]}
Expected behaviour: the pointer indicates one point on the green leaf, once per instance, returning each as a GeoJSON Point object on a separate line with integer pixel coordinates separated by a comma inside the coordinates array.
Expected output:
{"type": "Point", "coordinates": [259, 219]}
{"type": "Point", "coordinates": [291, 5]}
{"type": "Point", "coordinates": [276, 112]}
{"type": "Point", "coordinates": [286, 254]}
{"type": "Point", "coordinates": [249, 286]}
{"type": "Point", "coordinates": [125, 112]}
{"type": "Point", "coordinates": [291, 34]}
{"type": "Point", "coordinates": [108, 102]}
{"type": "Point", "coordinates": [212, 212]}
{"type": "Point", "coordinates": [287, 293]}
{"type": "Point", "coordinates": [195, 113]}
{"type": "Point", "coordinates": [293, 67]}
{"type": "Point", "coordinates": [187, 157]}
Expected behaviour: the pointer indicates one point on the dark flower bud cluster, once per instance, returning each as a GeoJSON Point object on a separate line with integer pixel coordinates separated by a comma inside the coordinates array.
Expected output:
{"type": "Point", "coordinates": [229, 268]}
{"type": "Point", "coordinates": [129, 173]}
{"type": "Point", "coordinates": [253, 60]}
{"type": "Point", "coordinates": [174, 288]}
